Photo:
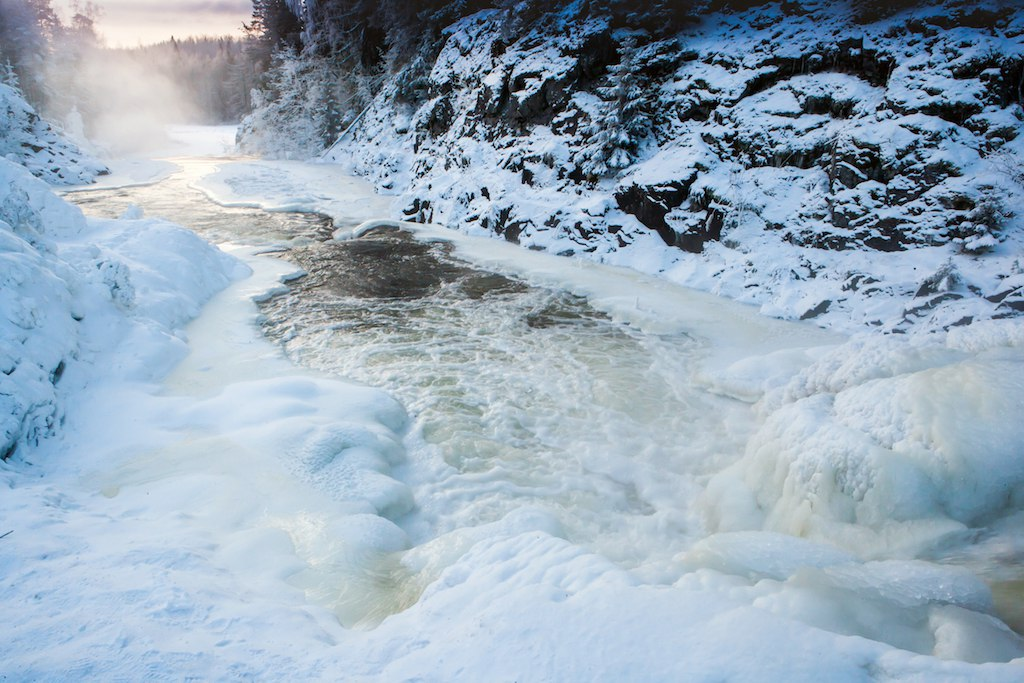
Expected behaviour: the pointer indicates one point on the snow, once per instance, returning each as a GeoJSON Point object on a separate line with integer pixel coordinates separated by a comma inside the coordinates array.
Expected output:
{"type": "Point", "coordinates": [134, 170]}
{"type": "Point", "coordinates": [209, 510]}
{"type": "Point", "coordinates": [882, 445]}
{"type": "Point", "coordinates": [296, 186]}
{"type": "Point", "coordinates": [28, 140]}
{"type": "Point", "coordinates": [840, 194]}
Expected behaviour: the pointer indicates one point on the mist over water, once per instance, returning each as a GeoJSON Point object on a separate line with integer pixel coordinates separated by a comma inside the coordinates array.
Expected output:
{"type": "Point", "coordinates": [131, 103]}
{"type": "Point", "coordinates": [534, 410]}
{"type": "Point", "coordinates": [119, 102]}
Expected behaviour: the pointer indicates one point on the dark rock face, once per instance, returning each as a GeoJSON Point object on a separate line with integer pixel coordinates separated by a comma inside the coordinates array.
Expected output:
{"type": "Point", "coordinates": [769, 125]}
{"type": "Point", "coordinates": [650, 204]}
{"type": "Point", "coordinates": [848, 56]}
{"type": "Point", "coordinates": [707, 230]}
{"type": "Point", "coordinates": [440, 117]}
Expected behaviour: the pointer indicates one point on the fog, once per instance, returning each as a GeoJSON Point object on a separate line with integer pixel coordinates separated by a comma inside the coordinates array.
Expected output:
{"type": "Point", "coordinates": [125, 104]}
{"type": "Point", "coordinates": [120, 102]}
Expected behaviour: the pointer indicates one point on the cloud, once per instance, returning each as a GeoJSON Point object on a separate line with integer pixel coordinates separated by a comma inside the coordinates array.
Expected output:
{"type": "Point", "coordinates": [133, 22]}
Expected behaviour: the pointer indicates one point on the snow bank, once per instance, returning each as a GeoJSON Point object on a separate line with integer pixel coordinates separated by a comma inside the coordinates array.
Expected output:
{"type": "Point", "coordinates": [72, 289]}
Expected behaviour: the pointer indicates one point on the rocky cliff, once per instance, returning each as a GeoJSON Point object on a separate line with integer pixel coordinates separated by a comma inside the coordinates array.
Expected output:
{"type": "Point", "coordinates": [821, 160]}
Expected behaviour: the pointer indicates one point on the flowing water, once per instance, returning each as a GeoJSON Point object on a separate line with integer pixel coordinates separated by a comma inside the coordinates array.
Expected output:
{"type": "Point", "coordinates": [530, 396]}
{"type": "Point", "coordinates": [527, 401]}
{"type": "Point", "coordinates": [524, 397]}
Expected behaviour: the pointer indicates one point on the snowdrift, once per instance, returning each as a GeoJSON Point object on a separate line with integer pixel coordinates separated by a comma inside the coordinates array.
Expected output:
{"type": "Point", "coordinates": [72, 289]}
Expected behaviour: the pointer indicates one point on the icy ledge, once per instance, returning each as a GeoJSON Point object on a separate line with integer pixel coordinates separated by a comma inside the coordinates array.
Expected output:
{"type": "Point", "coordinates": [76, 290]}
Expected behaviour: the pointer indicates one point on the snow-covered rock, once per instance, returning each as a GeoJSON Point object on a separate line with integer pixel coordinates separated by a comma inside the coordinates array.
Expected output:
{"type": "Point", "coordinates": [806, 157]}
{"type": "Point", "coordinates": [27, 139]}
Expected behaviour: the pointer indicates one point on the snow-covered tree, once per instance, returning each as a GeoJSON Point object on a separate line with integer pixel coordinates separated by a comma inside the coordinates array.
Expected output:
{"type": "Point", "coordinates": [623, 120]}
{"type": "Point", "coordinates": [8, 76]}
{"type": "Point", "coordinates": [26, 30]}
{"type": "Point", "coordinates": [296, 113]}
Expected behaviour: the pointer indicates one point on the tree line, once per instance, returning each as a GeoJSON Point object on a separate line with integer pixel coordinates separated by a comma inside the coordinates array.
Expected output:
{"type": "Point", "coordinates": [66, 72]}
{"type": "Point", "coordinates": [325, 60]}
{"type": "Point", "coordinates": [322, 61]}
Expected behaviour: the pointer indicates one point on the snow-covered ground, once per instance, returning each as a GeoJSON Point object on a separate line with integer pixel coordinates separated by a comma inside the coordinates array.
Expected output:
{"type": "Point", "coordinates": [208, 510]}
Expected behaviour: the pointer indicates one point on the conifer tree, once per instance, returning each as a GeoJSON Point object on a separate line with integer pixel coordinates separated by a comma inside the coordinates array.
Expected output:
{"type": "Point", "coordinates": [623, 121]}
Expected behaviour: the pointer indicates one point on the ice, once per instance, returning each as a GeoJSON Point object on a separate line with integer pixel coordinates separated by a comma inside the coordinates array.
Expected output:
{"type": "Point", "coordinates": [285, 186]}
{"type": "Point", "coordinates": [762, 554]}
{"type": "Point", "coordinates": [912, 605]}
{"type": "Point", "coordinates": [208, 509]}
{"type": "Point", "coordinates": [885, 446]}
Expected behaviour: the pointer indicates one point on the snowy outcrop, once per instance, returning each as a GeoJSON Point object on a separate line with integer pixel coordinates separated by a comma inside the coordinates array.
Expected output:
{"type": "Point", "coordinates": [816, 161]}
{"type": "Point", "coordinates": [885, 446]}
{"type": "Point", "coordinates": [28, 140]}
{"type": "Point", "coordinates": [71, 289]}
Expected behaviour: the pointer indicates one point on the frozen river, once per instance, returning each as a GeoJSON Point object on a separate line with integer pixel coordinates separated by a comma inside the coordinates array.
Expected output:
{"type": "Point", "coordinates": [572, 430]}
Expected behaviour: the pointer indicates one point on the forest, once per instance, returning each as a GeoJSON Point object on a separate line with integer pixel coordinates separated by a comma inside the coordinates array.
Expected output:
{"type": "Point", "coordinates": [321, 62]}
{"type": "Point", "coordinates": [316, 62]}
{"type": "Point", "coordinates": [68, 74]}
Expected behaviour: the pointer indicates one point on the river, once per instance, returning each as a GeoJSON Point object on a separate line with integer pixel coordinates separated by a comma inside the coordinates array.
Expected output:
{"type": "Point", "coordinates": [607, 421]}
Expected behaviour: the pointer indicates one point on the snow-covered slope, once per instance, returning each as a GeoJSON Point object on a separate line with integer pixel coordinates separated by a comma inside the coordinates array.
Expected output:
{"type": "Point", "coordinates": [71, 289]}
{"type": "Point", "coordinates": [819, 162]}
{"type": "Point", "coordinates": [29, 140]}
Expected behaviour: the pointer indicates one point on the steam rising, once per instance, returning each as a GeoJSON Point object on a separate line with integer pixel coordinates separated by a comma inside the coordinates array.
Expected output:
{"type": "Point", "coordinates": [127, 103]}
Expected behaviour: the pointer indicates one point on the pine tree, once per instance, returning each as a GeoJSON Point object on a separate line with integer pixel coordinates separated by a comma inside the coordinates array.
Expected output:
{"type": "Point", "coordinates": [331, 114]}
{"type": "Point", "coordinates": [26, 30]}
{"type": "Point", "coordinates": [623, 121]}
{"type": "Point", "coordinates": [274, 26]}
{"type": "Point", "coordinates": [8, 76]}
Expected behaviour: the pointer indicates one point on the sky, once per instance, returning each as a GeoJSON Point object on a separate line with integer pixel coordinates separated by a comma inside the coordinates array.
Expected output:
{"type": "Point", "coordinates": [127, 23]}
